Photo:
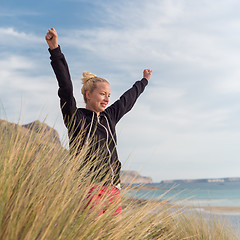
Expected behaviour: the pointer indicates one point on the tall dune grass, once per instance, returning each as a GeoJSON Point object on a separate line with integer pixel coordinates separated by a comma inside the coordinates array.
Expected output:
{"type": "Point", "coordinates": [43, 196]}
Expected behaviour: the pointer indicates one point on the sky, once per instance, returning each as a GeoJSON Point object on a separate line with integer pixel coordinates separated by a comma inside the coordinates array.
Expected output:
{"type": "Point", "coordinates": [186, 123]}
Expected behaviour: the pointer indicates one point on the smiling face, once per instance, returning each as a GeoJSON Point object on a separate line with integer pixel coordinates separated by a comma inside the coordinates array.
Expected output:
{"type": "Point", "coordinates": [98, 99]}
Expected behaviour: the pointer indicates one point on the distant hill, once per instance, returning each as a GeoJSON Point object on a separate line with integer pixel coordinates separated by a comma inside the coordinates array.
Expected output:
{"type": "Point", "coordinates": [41, 132]}
{"type": "Point", "coordinates": [38, 127]}
{"type": "Point", "coordinates": [207, 180]}
{"type": "Point", "coordinates": [133, 177]}
{"type": "Point", "coordinates": [47, 133]}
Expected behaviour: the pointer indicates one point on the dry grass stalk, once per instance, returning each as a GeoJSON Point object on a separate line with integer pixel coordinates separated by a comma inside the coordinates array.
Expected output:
{"type": "Point", "coordinates": [43, 196]}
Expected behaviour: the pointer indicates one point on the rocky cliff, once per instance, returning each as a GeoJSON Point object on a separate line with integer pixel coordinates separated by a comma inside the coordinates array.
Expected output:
{"type": "Point", "coordinates": [45, 133]}
{"type": "Point", "coordinates": [133, 177]}
{"type": "Point", "coordinates": [48, 134]}
{"type": "Point", "coordinates": [44, 129]}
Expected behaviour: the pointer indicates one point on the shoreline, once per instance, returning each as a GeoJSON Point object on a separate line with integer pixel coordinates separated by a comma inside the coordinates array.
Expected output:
{"type": "Point", "coordinates": [223, 210]}
{"type": "Point", "coordinates": [230, 214]}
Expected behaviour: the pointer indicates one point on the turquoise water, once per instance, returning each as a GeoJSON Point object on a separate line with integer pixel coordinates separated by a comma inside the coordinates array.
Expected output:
{"type": "Point", "coordinates": [197, 194]}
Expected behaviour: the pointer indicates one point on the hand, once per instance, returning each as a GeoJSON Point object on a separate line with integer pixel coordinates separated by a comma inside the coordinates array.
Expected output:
{"type": "Point", "coordinates": [52, 38]}
{"type": "Point", "coordinates": [147, 73]}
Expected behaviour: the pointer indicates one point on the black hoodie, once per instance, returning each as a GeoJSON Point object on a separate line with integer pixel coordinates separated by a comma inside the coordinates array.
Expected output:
{"type": "Point", "coordinates": [101, 128]}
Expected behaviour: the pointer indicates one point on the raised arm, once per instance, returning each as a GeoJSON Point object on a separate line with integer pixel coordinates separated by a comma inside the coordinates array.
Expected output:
{"type": "Point", "coordinates": [128, 99]}
{"type": "Point", "coordinates": [60, 67]}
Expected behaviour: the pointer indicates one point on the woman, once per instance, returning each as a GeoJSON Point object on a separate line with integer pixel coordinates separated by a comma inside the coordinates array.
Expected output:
{"type": "Point", "coordinates": [96, 122]}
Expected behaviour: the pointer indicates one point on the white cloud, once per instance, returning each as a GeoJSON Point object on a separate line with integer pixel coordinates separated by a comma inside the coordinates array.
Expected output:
{"type": "Point", "coordinates": [11, 38]}
{"type": "Point", "coordinates": [161, 32]}
{"type": "Point", "coordinates": [229, 84]}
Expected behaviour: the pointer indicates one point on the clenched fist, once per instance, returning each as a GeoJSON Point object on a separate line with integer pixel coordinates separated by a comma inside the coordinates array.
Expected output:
{"type": "Point", "coordinates": [147, 73]}
{"type": "Point", "coordinates": [52, 38]}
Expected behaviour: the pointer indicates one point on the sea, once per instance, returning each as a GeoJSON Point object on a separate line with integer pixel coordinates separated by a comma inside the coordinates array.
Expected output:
{"type": "Point", "coordinates": [198, 194]}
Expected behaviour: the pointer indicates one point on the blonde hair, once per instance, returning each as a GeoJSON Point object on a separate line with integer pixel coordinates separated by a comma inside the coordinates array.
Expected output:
{"type": "Point", "coordinates": [89, 81]}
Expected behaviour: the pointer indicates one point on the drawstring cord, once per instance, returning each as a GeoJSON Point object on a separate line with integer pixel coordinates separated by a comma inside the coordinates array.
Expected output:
{"type": "Point", "coordinates": [110, 131]}
{"type": "Point", "coordinates": [89, 130]}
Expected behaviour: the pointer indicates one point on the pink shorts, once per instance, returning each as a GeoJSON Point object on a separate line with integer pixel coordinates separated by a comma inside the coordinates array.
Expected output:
{"type": "Point", "coordinates": [110, 195]}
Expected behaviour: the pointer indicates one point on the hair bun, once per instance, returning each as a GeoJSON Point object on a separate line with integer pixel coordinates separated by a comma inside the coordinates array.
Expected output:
{"type": "Point", "coordinates": [87, 76]}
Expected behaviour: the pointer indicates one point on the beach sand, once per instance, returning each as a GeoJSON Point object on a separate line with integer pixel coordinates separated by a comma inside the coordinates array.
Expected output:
{"type": "Point", "coordinates": [220, 209]}
{"type": "Point", "coordinates": [224, 213]}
